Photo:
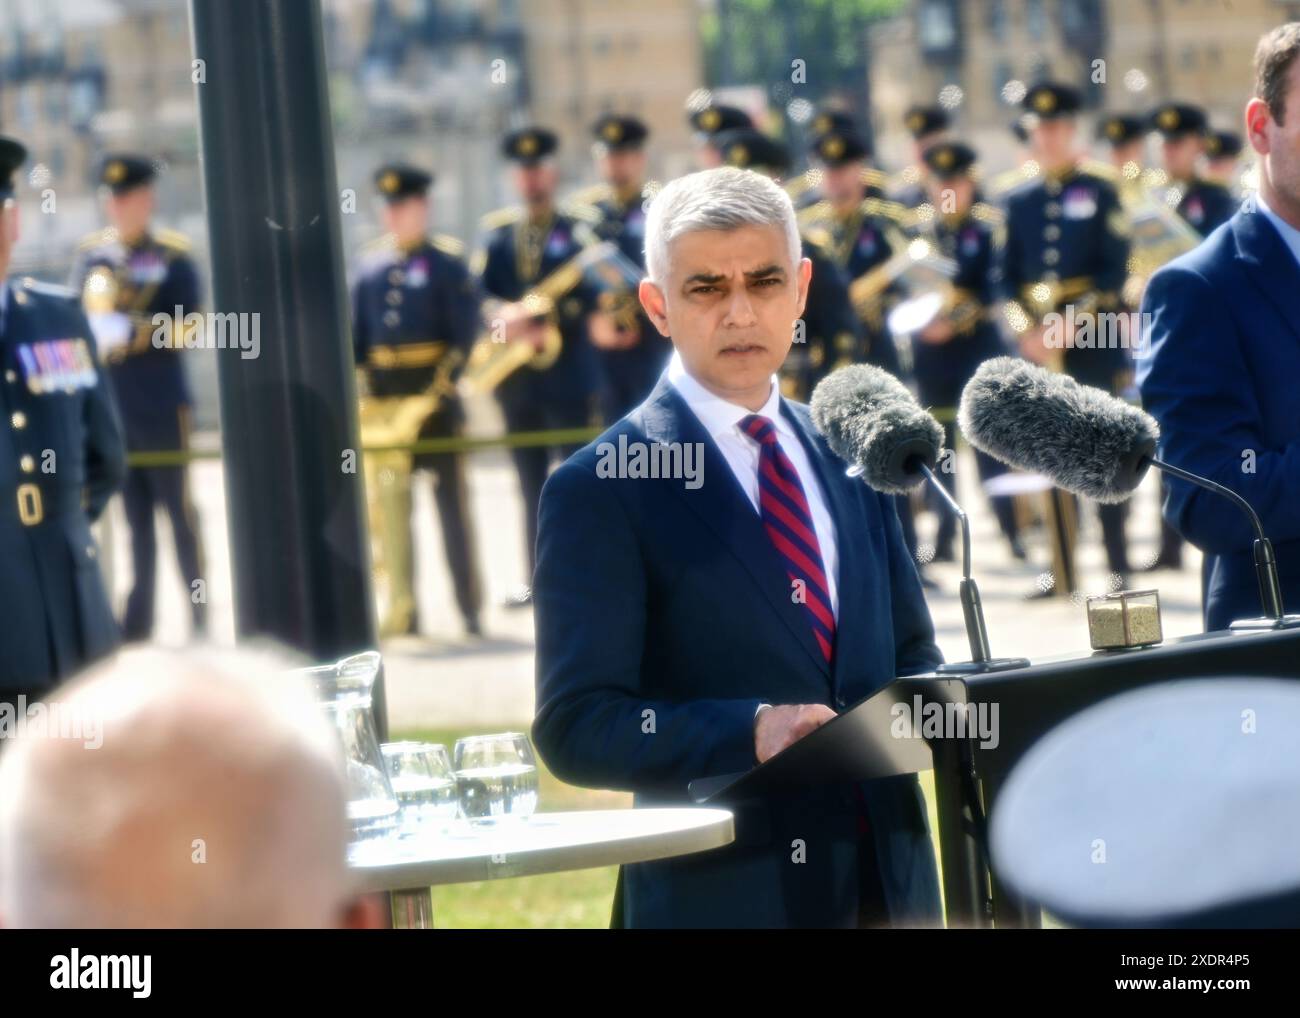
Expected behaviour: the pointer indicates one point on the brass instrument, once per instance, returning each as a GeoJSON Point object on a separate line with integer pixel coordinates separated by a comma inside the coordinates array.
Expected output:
{"type": "Point", "coordinates": [493, 359]}
{"type": "Point", "coordinates": [395, 421]}
{"type": "Point", "coordinates": [924, 274]}
{"type": "Point", "coordinates": [100, 297]}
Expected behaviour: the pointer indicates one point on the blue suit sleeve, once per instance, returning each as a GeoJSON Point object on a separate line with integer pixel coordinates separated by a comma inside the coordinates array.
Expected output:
{"type": "Point", "coordinates": [1194, 381]}
{"type": "Point", "coordinates": [599, 722]}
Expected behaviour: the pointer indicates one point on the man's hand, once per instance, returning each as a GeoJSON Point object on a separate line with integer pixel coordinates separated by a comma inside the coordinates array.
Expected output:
{"type": "Point", "coordinates": [775, 728]}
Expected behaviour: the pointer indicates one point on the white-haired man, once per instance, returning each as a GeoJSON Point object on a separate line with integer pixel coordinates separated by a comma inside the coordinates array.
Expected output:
{"type": "Point", "coordinates": [711, 587]}
{"type": "Point", "coordinates": [195, 790]}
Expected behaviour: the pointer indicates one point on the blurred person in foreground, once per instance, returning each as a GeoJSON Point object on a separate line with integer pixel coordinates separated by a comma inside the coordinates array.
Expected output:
{"type": "Point", "coordinates": [692, 629]}
{"type": "Point", "coordinates": [1219, 365]}
{"type": "Point", "coordinates": [212, 795]}
{"type": "Point", "coordinates": [61, 459]}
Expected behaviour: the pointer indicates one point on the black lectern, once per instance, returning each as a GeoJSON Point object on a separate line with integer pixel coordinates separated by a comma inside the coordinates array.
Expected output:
{"type": "Point", "coordinates": [866, 741]}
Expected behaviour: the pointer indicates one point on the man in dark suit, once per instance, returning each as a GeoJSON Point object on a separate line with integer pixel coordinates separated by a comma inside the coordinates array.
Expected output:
{"type": "Point", "coordinates": [61, 457]}
{"type": "Point", "coordinates": [696, 618]}
{"type": "Point", "coordinates": [1219, 367]}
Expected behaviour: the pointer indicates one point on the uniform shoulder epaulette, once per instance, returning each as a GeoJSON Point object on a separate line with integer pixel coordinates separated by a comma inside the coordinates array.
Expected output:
{"type": "Point", "coordinates": [987, 213]}
{"type": "Point", "coordinates": [1153, 176]}
{"type": "Point", "coordinates": [818, 237]}
{"type": "Point", "coordinates": [173, 239]}
{"type": "Point", "coordinates": [1096, 168]}
{"type": "Point", "coordinates": [1008, 180]}
{"type": "Point", "coordinates": [39, 286]}
{"type": "Point", "coordinates": [590, 195]}
{"type": "Point", "coordinates": [501, 217]}
{"type": "Point", "coordinates": [887, 208]}
{"type": "Point", "coordinates": [97, 239]}
{"type": "Point", "coordinates": [448, 244]}
{"type": "Point", "coordinates": [581, 212]}
{"type": "Point", "coordinates": [797, 185]}
{"type": "Point", "coordinates": [813, 213]}
{"type": "Point", "coordinates": [873, 177]}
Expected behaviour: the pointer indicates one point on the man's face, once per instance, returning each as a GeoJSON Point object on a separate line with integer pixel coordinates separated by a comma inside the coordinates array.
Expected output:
{"type": "Point", "coordinates": [954, 195]}
{"type": "Point", "coordinates": [623, 168]}
{"type": "Point", "coordinates": [707, 155]}
{"type": "Point", "coordinates": [843, 184]}
{"type": "Point", "coordinates": [131, 210]}
{"type": "Point", "coordinates": [1180, 155]}
{"type": "Point", "coordinates": [536, 184]}
{"type": "Point", "coordinates": [1130, 152]}
{"type": "Point", "coordinates": [1279, 143]}
{"type": "Point", "coordinates": [1053, 140]}
{"type": "Point", "coordinates": [407, 219]}
{"type": "Point", "coordinates": [729, 304]}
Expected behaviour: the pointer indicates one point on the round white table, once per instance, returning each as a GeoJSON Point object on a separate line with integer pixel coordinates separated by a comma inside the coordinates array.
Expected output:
{"type": "Point", "coordinates": [461, 852]}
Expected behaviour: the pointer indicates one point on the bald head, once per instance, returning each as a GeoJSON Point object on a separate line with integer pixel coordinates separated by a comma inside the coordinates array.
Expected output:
{"type": "Point", "coordinates": [215, 798]}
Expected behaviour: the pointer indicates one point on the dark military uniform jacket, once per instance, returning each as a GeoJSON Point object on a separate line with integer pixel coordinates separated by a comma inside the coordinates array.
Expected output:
{"type": "Point", "coordinates": [857, 245]}
{"type": "Point", "coordinates": [61, 458]}
{"type": "Point", "coordinates": [624, 225]}
{"type": "Point", "coordinates": [514, 256]}
{"type": "Point", "coordinates": [973, 241]}
{"type": "Point", "coordinates": [1067, 243]}
{"type": "Point", "coordinates": [1205, 204]}
{"type": "Point", "coordinates": [154, 276]}
{"type": "Point", "coordinates": [415, 316]}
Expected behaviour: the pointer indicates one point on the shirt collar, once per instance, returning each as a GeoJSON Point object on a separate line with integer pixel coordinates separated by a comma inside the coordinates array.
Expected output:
{"type": "Point", "coordinates": [717, 414]}
{"type": "Point", "coordinates": [1290, 235]}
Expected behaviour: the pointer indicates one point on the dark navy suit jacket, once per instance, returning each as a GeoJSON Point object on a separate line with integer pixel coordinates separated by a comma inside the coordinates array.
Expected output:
{"type": "Point", "coordinates": [664, 618]}
{"type": "Point", "coordinates": [1220, 372]}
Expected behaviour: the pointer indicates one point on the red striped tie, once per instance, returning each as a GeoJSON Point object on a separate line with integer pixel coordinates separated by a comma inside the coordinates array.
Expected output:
{"type": "Point", "coordinates": [789, 525]}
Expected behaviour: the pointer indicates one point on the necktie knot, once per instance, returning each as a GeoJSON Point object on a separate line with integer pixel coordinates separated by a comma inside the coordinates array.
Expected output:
{"type": "Point", "coordinates": [759, 428]}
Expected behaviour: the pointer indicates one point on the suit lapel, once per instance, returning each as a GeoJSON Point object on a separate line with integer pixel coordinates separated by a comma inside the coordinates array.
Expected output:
{"type": "Point", "coordinates": [1272, 267]}
{"type": "Point", "coordinates": [725, 509]}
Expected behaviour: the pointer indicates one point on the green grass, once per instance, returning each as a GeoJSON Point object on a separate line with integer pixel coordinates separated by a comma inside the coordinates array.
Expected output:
{"type": "Point", "coordinates": [577, 899]}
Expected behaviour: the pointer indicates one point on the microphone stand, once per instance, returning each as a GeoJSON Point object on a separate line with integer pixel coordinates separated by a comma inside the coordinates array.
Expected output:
{"type": "Point", "coordinates": [971, 606]}
{"type": "Point", "coordinates": [1270, 586]}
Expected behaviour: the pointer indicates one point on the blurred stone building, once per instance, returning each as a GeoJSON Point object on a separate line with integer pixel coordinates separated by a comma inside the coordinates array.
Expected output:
{"type": "Point", "coordinates": [1125, 55]}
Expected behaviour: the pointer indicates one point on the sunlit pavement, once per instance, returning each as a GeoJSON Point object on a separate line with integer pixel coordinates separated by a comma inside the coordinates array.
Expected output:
{"type": "Point", "coordinates": [443, 678]}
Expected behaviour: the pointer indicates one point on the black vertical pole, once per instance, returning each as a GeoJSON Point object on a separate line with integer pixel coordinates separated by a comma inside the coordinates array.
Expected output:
{"type": "Point", "coordinates": [295, 502]}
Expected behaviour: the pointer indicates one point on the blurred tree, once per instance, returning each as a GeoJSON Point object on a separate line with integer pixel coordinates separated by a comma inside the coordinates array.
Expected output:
{"type": "Point", "coordinates": [756, 42]}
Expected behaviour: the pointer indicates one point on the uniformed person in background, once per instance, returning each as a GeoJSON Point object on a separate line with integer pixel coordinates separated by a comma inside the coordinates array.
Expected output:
{"type": "Point", "coordinates": [61, 458]}
{"type": "Point", "coordinates": [860, 232]}
{"type": "Point", "coordinates": [133, 278]}
{"type": "Point", "coordinates": [1204, 203]}
{"type": "Point", "coordinates": [997, 188]}
{"type": "Point", "coordinates": [948, 350]}
{"type": "Point", "coordinates": [414, 319]}
{"type": "Point", "coordinates": [1125, 135]}
{"type": "Point", "coordinates": [1223, 160]}
{"type": "Point", "coordinates": [710, 121]}
{"type": "Point", "coordinates": [629, 349]}
{"type": "Point", "coordinates": [520, 247]}
{"type": "Point", "coordinates": [805, 188]}
{"type": "Point", "coordinates": [926, 125]}
{"type": "Point", "coordinates": [1066, 255]}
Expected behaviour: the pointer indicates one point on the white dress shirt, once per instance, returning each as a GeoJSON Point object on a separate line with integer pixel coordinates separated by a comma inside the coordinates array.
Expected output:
{"type": "Point", "coordinates": [1290, 235]}
{"type": "Point", "coordinates": [722, 421]}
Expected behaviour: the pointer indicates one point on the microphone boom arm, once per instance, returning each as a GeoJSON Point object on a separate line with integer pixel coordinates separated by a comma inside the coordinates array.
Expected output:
{"type": "Point", "coordinates": [971, 606]}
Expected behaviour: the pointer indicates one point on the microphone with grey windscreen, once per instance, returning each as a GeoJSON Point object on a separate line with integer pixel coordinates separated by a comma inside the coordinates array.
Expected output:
{"type": "Point", "coordinates": [1087, 441]}
{"type": "Point", "coordinates": [871, 420]}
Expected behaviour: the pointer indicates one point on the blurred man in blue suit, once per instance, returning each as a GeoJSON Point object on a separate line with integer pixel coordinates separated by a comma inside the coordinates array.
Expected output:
{"type": "Point", "coordinates": [1221, 363]}
{"type": "Point", "coordinates": [711, 587]}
